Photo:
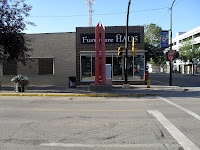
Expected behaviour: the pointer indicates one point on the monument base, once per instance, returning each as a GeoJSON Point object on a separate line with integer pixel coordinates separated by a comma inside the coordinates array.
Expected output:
{"type": "Point", "coordinates": [126, 86]}
{"type": "Point", "coordinates": [96, 88]}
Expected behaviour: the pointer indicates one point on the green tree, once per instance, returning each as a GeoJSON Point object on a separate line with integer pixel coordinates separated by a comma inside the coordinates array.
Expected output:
{"type": "Point", "coordinates": [13, 43]}
{"type": "Point", "coordinates": [189, 51]}
{"type": "Point", "coordinates": [152, 34]}
{"type": "Point", "coordinates": [152, 43]}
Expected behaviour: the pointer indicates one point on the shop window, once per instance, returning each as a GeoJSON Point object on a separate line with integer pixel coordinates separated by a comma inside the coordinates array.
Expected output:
{"type": "Point", "coordinates": [93, 68]}
{"type": "Point", "coordinates": [45, 66]}
{"type": "Point", "coordinates": [9, 68]}
{"type": "Point", "coordinates": [117, 68]}
{"type": "Point", "coordinates": [86, 67]}
{"type": "Point", "coordinates": [130, 68]}
{"type": "Point", "coordinates": [135, 68]}
{"type": "Point", "coordinates": [139, 67]}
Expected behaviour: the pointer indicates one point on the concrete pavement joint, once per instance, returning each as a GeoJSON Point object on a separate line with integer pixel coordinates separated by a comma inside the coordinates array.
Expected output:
{"type": "Point", "coordinates": [68, 110]}
{"type": "Point", "coordinates": [70, 145]}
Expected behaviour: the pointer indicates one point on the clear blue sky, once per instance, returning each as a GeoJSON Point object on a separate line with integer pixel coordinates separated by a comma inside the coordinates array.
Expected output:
{"type": "Point", "coordinates": [65, 15]}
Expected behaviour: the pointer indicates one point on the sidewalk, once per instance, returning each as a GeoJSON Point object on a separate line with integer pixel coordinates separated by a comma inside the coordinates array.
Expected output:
{"type": "Point", "coordinates": [117, 91]}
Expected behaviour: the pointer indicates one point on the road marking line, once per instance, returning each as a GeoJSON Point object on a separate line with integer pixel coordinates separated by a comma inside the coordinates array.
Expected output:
{"type": "Point", "coordinates": [180, 107]}
{"type": "Point", "coordinates": [103, 145]}
{"type": "Point", "coordinates": [70, 110]}
{"type": "Point", "coordinates": [176, 133]}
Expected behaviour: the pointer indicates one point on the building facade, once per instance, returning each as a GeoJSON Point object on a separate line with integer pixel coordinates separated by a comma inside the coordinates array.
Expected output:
{"type": "Point", "coordinates": [57, 56]}
{"type": "Point", "coordinates": [51, 62]}
{"type": "Point", "coordinates": [114, 37]}
{"type": "Point", "coordinates": [179, 65]}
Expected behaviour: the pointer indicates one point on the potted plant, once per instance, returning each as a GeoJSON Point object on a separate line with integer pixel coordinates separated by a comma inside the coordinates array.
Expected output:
{"type": "Point", "coordinates": [21, 82]}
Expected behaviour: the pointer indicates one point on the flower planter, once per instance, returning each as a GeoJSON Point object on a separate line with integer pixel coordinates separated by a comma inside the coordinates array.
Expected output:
{"type": "Point", "coordinates": [21, 82]}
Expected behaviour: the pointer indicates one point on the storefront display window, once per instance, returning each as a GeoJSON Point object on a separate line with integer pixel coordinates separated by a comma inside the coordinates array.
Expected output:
{"type": "Point", "coordinates": [139, 67]}
{"type": "Point", "coordinates": [93, 68]}
{"type": "Point", "coordinates": [86, 67]}
{"type": "Point", "coordinates": [135, 67]}
{"type": "Point", "coordinates": [117, 68]}
{"type": "Point", "coordinates": [130, 68]}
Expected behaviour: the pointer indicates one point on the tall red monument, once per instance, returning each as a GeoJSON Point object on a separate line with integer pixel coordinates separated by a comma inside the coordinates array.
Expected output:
{"type": "Point", "coordinates": [97, 57]}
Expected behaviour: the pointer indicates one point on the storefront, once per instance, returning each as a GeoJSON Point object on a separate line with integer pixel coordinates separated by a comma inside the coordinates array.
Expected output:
{"type": "Point", "coordinates": [57, 56]}
{"type": "Point", "coordinates": [114, 37]}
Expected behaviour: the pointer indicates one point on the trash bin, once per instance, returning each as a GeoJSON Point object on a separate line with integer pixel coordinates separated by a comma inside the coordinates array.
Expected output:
{"type": "Point", "coordinates": [72, 82]}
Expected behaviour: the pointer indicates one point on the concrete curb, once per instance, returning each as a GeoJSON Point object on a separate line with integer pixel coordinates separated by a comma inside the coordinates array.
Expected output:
{"type": "Point", "coordinates": [87, 95]}
{"type": "Point", "coordinates": [78, 95]}
{"type": "Point", "coordinates": [92, 95]}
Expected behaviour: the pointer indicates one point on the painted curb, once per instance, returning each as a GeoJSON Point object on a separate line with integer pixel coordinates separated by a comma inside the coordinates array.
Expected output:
{"type": "Point", "coordinates": [80, 95]}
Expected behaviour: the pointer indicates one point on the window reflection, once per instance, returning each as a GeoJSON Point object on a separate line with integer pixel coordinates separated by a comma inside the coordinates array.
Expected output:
{"type": "Point", "coordinates": [135, 67]}
{"type": "Point", "coordinates": [139, 67]}
{"type": "Point", "coordinates": [117, 68]}
{"type": "Point", "coordinates": [130, 68]}
{"type": "Point", "coordinates": [86, 67]}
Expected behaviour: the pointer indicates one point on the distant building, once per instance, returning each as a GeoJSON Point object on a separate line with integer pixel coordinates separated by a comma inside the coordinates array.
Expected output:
{"type": "Point", "coordinates": [179, 65]}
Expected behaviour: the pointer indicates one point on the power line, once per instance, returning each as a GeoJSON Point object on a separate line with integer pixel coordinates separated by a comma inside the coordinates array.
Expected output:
{"type": "Point", "coordinates": [99, 14]}
{"type": "Point", "coordinates": [151, 9]}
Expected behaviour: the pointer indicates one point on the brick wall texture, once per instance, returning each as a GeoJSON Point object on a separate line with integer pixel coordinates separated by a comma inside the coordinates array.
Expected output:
{"type": "Point", "coordinates": [59, 46]}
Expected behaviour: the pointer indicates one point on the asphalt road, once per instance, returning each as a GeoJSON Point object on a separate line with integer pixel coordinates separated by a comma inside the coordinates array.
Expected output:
{"type": "Point", "coordinates": [177, 79]}
{"type": "Point", "coordinates": [171, 122]}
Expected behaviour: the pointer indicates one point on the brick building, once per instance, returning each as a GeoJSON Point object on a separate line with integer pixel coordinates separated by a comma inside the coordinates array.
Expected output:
{"type": "Point", "coordinates": [52, 60]}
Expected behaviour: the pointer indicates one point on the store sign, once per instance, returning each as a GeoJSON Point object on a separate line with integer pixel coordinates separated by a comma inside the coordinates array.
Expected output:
{"type": "Point", "coordinates": [110, 38]}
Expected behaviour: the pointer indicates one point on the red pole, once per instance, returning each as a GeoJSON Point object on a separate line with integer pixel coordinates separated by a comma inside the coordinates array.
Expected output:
{"type": "Point", "coordinates": [97, 61]}
{"type": "Point", "coordinates": [103, 56]}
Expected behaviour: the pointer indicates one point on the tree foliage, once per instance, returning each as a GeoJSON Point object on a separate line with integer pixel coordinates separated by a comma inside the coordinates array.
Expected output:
{"type": "Point", "coordinates": [155, 53]}
{"type": "Point", "coordinates": [152, 34]}
{"type": "Point", "coordinates": [152, 43]}
{"type": "Point", "coordinates": [189, 51]}
{"type": "Point", "coordinates": [13, 43]}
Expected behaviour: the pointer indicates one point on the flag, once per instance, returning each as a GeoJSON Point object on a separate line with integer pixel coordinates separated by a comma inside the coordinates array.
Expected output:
{"type": "Point", "coordinates": [164, 39]}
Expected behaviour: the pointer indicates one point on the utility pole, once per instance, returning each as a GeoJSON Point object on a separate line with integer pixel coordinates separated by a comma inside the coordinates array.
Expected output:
{"type": "Point", "coordinates": [170, 62]}
{"type": "Point", "coordinates": [126, 45]}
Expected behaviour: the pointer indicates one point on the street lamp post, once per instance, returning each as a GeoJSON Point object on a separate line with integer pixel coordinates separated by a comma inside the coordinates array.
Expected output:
{"type": "Point", "coordinates": [170, 62]}
{"type": "Point", "coordinates": [126, 45]}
